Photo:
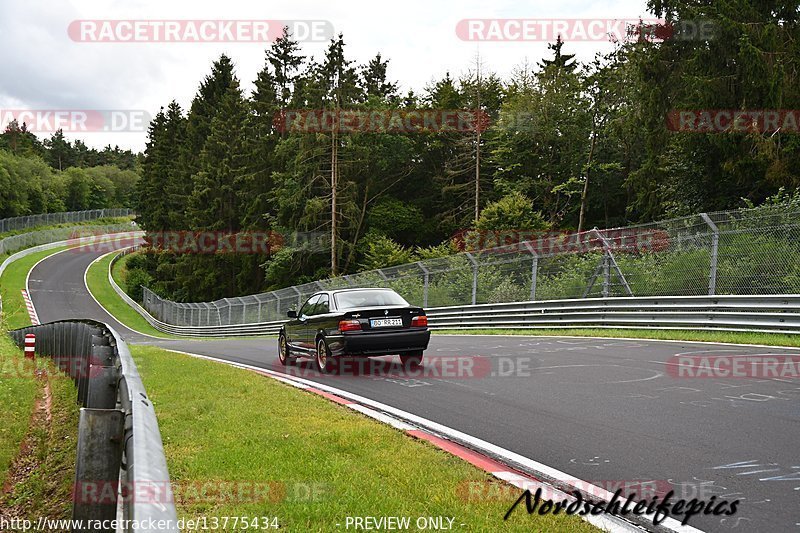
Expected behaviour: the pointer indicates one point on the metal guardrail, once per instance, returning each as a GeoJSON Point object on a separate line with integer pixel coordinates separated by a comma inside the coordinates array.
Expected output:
{"type": "Point", "coordinates": [119, 443]}
{"type": "Point", "coordinates": [760, 313]}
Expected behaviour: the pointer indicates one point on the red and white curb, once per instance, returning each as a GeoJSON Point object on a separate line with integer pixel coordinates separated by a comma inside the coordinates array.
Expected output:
{"type": "Point", "coordinates": [480, 453]}
{"type": "Point", "coordinates": [31, 309]}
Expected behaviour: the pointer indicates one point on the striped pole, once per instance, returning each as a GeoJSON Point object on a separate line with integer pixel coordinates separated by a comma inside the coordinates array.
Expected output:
{"type": "Point", "coordinates": [30, 345]}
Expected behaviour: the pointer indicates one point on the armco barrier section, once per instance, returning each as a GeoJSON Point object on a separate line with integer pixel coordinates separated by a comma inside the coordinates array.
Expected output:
{"type": "Point", "coordinates": [761, 313]}
{"type": "Point", "coordinates": [119, 442]}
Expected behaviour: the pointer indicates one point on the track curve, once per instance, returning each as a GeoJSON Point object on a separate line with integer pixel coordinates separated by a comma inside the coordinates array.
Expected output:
{"type": "Point", "coordinates": [603, 410]}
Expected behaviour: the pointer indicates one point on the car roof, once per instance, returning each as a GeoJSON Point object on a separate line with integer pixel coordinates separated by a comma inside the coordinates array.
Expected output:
{"type": "Point", "coordinates": [364, 289]}
{"type": "Point", "coordinates": [352, 289]}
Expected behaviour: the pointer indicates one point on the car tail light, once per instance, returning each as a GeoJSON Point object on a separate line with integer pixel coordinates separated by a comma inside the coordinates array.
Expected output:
{"type": "Point", "coordinates": [419, 321]}
{"type": "Point", "coordinates": [349, 325]}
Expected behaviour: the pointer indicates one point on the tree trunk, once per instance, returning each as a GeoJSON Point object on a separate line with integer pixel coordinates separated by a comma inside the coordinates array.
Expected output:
{"type": "Point", "coordinates": [358, 229]}
{"type": "Point", "coordinates": [585, 192]}
{"type": "Point", "coordinates": [334, 178]}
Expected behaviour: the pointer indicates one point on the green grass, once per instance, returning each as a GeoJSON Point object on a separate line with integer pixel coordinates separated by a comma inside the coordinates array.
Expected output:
{"type": "Point", "coordinates": [44, 466]}
{"type": "Point", "coordinates": [226, 425]}
{"type": "Point", "coordinates": [773, 339]}
{"type": "Point", "coordinates": [120, 270]}
{"type": "Point", "coordinates": [17, 394]}
{"type": "Point", "coordinates": [15, 314]}
{"type": "Point", "coordinates": [97, 281]}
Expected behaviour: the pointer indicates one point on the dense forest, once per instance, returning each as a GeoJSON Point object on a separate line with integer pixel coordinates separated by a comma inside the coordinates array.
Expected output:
{"type": "Point", "coordinates": [57, 175]}
{"type": "Point", "coordinates": [569, 146]}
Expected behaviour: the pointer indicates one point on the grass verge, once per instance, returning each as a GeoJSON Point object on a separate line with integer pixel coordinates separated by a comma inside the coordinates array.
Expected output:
{"type": "Point", "coordinates": [38, 437]}
{"type": "Point", "coordinates": [12, 282]}
{"type": "Point", "coordinates": [772, 339]}
{"type": "Point", "coordinates": [101, 289]}
{"type": "Point", "coordinates": [323, 462]}
{"type": "Point", "coordinates": [17, 397]}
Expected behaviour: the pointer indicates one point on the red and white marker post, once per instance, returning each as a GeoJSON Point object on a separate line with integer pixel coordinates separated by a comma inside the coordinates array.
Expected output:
{"type": "Point", "coordinates": [30, 346]}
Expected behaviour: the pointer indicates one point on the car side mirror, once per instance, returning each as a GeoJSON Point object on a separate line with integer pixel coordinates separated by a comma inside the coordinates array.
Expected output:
{"type": "Point", "coordinates": [291, 314]}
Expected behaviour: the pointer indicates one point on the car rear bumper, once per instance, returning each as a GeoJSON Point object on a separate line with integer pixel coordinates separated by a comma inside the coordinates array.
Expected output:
{"type": "Point", "coordinates": [379, 342]}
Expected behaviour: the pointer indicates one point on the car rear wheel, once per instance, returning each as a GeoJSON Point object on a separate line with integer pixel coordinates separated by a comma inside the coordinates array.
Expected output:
{"type": "Point", "coordinates": [411, 359]}
{"type": "Point", "coordinates": [325, 361]}
{"type": "Point", "coordinates": [284, 355]}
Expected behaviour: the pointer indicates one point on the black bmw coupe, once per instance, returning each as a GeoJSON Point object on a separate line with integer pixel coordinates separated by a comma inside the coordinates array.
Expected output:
{"type": "Point", "coordinates": [354, 323]}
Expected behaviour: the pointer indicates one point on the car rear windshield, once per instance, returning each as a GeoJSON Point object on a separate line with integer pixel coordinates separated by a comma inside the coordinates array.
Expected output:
{"type": "Point", "coordinates": [377, 298]}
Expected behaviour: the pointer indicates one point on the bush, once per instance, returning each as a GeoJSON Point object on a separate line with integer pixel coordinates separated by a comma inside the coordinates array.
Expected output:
{"type": "Point", "coordinates": [134, 280]}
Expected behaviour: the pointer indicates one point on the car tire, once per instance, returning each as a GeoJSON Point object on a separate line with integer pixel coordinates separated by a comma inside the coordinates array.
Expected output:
{"type": "Point", "coordinates": [326, 363]}
{"type": "Point", "coordinates": [411, 359]}
{"type": "Point", "coordinates": [284, 354]}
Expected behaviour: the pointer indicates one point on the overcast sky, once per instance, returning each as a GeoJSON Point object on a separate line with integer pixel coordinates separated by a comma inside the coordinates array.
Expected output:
{"type": "Point", "coordinates": [42, 68]}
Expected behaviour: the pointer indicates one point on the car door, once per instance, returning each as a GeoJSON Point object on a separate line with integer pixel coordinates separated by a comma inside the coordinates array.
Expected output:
{"type": "Point", "coordinates": [318, 318]}
{"type": "Point", "coordinates": [298, 330]}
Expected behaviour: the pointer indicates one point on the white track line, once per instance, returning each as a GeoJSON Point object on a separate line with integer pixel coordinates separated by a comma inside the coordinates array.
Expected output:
{"type": "Point", "coordinates": [403, 420]}
{"type": "Point", "coordinates": [109, 313]}
{"type": "Point", "coordinates": [638, 339]}
{"type": "Point", "coordinates": [28, 278]}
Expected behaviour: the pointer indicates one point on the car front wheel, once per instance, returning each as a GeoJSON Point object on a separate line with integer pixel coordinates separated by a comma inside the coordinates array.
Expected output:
{"type": "Point", "coordinates": [284, 355]}
{"type": "Point", "coordinates": [411, 359]}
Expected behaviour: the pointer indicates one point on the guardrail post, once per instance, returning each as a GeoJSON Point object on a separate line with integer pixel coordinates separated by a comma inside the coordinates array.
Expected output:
{"type": "Point", "coordinates": [712, 274]}
{"type": "Point", "coordinates": [97, 466]}
{"type": "Point", "coordinates": [474, 277]}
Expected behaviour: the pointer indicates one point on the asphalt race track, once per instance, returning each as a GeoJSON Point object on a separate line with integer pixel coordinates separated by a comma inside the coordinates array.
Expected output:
{"type": "Point", "coordinates": [603, 410]}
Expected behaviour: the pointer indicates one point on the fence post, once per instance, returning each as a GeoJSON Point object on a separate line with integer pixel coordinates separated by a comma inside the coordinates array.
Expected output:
{"type": "Point", "coordinates": [712, 274]}
{"type": "Point", "coordinates": [474, 277]}
{"type": "Point", "coordinates": [426, 280]}
{"type": "Point", "coordinates": [299, 298]}
{"type": "Point", "coordinates": [606, 273]}
{"type": "Point", "coordinates": [534, 268]}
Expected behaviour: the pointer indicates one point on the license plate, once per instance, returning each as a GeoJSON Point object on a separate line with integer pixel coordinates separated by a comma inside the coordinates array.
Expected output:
{"type": "Point", "coordinates": [385, 322]}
